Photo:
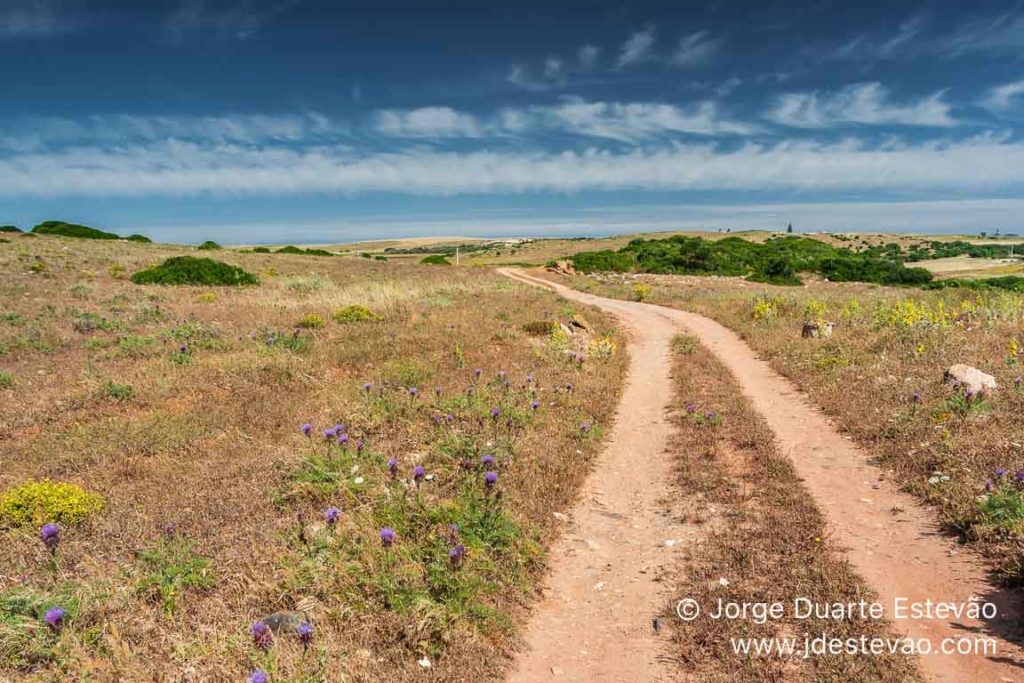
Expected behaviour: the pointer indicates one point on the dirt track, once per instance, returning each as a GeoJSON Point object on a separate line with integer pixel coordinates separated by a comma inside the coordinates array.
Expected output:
{"type": "Point", "coordinates": [594, 623]}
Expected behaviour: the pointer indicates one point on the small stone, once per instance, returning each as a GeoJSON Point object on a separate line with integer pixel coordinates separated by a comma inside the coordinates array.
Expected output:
{"type": "Point", "coordinates": [285, 621]}
{"type": "Point", "coordinates": [425, 663]}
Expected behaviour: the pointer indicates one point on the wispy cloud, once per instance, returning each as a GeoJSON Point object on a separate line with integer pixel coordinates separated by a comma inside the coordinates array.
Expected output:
{"type": "Point", "coordinates": [252, 129]}
{"type": "Point", "coordinates": [1003, 31]}
{"type": "Point", "coordinates": [626, 122]}
{"type": "Point", "coordinates": [28, 18]}
{"type": "Point", "coordinates": [587, 56]}
{"type": "Point", "coordinates": [1001, 97]}
{"type": "Point", "coordinates": [237, 20]}
{"type": "Point", "coordinates": [694, 49]}
{"type": "Point", "coordinates": [864, 103]}
{"type": "Point", "coordinates": [638, 48]}
{"type": "Point", "coordinates": [635, 121]}
{"type": "Point", "coordinates": [176, 168]}
{"type": "Point", "coordinates": [428, 122]}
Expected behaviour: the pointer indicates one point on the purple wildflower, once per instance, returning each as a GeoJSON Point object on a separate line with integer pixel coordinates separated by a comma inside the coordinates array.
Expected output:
{"type": "Point", "coordinates": [259, 676]}
{"type": "Point", "coordinates": [495, 412]}
{"type": "Point", "coordinates": [330, 433]}
{"type": "Point", "coordinates": [1020, 476]}
{"type": "Point", "coordinates": [367, 386]}
{"type": "Point", "coordinates": [360, 445]}
{"type": "Point", "coordinates": [568, 387]}
{"type": "Point", "coordinates": [457, 554]}
{"type": "Point", "coordinates": [437, 391]}
{"type": "Point", "coordinates": [534, 404]}
{"type": "Point", "coordinates": [342, 440]}
{"type": "Point", "coordinates": [468, 465]}
{"type": "Point", "coordinates": [1000, 472]}
{"type": "Point", "coordinates": [1017, 382]}
{"type": "Point", "coordinates": [418, 473]}
{"type": "Point", "coordinates": [393, 467]}
{"type": "Point", "coordinates": [306, 428]}
{"type": "Point", "coordinates": [262, 637]}
{"type": "Point", "coordinates": [387, 537]}
{"type": "Point", "coordinates": [477, 373]}
{"type": "Point", "coordinates": [50, 536]}
{"type": "Point", "coordinates": [916, 398]}
{"type": "Point", "coordinates": [490, 479]}
{"type": "Point", "coordinates": [691, 408]}
{"type": "Point", "coordinates": [54, 618]}
{"type": "Point", "coordinates": [183, 348]}
{"type": "Point", "coordinates": [487, 461]}
{"type": "Point", "coordinates": [989, 485]}
{"type": "Point", "coordinates": [529, 379]}
{"type": "Point", "coordinates": [305, 632]}
{"type": "Point", "coordinates": [413, 391]}
{"type": "Point", "coordinates": [585, 426]}
{"type": "Point", "coordinates": [710, 415]}
{"type": "Point", "coordinates": [332, 514]}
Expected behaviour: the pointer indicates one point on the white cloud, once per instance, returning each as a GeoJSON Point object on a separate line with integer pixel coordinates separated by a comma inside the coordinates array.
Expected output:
{"type": "Point", "coordinates": [35, 133]}
{"type": "Point", "coordinates": [176, 168]}
{"type": "Point", "coordinates": [587, 56]}
{"type": "Point", "coordinates": [1000, 98]}
{"type": "Point", "coordinates": [637, 48]}
{"type": "Point", "coordinates": [233, 20]}
{"type": "Point", "coordinates": [634, 121]}
{"type": "Point", "coordinates": [427, 122]}
{"type": "Point", "coordinates": [865, 103]}
{"type": "Point", "coordinates": [694, 49]}
{"type": "Point", "coordinates": [553, 68]}
{"type": "Point", "coordinates": [25, 18]}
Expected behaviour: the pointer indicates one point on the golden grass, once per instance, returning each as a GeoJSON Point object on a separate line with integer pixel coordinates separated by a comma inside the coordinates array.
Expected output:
{"type": "Point", "coordinates": [208, 440]}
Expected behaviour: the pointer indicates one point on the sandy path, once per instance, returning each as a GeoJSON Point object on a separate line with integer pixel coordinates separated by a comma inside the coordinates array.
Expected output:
{"type": "Point", "coordinates": [891, 541]}
{"type": "Point", "coordinates": [595, 622]}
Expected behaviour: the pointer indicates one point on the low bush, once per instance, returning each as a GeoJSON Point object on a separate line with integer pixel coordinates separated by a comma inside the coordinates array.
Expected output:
{"type": "Point", "coordinates": [63, 229]}
{"type": "Point", "coordinates": [188, 270]}
{"type": "Point", "coordinates": [209, 245]}
{"type": "Point", "coordinates": [139, 238]}
{"type": "Point", "coordinates": [41, 502]}
{"type": "Point", "coordinates": [435, 260]}
{"type": "Point", "coordinates": [9, 228]}
{"type": "Point", "coordinates": [354, 314]}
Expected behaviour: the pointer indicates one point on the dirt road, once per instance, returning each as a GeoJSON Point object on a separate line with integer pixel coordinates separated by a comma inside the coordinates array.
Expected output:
{"type": "Point", "coordinates": [594, 623]}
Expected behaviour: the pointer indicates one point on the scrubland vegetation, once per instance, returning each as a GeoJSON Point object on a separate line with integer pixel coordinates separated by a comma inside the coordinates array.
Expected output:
{"type": "Point", "coordinates": [881, 375]}
{"type": "Point", "coordinates": [362, 457]}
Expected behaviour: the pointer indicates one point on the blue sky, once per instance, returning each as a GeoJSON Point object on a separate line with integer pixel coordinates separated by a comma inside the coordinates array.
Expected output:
{"type": "Point", "coordinates": [317, 120]}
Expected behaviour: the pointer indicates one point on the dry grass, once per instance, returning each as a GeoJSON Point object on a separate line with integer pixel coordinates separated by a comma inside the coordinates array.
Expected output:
{"type": "Point", "coordinates": [203, 458]}
{"type": "Point", "coordinates": [890, 344]}
{"type": "Point", "coordinates": [762, 534]}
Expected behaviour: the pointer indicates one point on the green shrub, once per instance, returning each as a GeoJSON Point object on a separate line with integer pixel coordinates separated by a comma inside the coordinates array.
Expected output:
{"type": "Point", "coordinates": [139, 238]}
{"type": "Point", "coordinates": [9, 228]}
{"type": "Point", "coordinates": [39, 502]}
{"type": "Point", "coordinates": [6, 381]}
{"type": "Point", "coordinates": [354, 314]}
{"type": "Point", "coordinates": [63, 229]}
{"type": "Point", "coordinates": [172, 568]}
{"type": "Point", "coordinates": [118, 392]}
{"type": "Point", "coordinates": [208, 245]}
{"type": "Point", "coordinates": [188, 270]}
{"type": "Point", "coordinates": [310, 321]}
{"type": "Point", "coordinates": [436, 260]}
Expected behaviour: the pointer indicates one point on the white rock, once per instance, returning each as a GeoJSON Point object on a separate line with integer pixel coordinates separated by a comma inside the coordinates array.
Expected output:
{"type": "Point", "coordinates": [973, 379]}
{"type": "Point", "coordinates": [425, 663]}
